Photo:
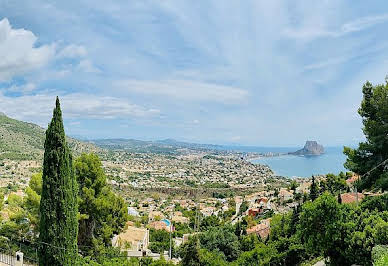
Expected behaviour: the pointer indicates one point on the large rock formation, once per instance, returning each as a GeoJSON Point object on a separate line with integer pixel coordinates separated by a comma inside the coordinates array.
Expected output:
{"type": "Point", "coordinates": [310, 148]}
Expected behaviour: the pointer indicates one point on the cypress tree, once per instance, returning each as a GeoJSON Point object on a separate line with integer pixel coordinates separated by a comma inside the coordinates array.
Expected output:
{"type": "Point", "coordinates": [58, 204]}
{"type": "Point", "coordinates": [313, 189]}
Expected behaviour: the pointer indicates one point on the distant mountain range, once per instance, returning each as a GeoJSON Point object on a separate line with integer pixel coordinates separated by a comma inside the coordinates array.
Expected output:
{"type": "Point", "coordinates": [166, 146]}
{"type": "Point", "coordinates": [21, 141]}
{"type": "Point", "coordinates": [25, 141]}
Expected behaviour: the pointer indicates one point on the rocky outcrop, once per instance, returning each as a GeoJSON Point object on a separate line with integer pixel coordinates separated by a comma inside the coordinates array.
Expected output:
{"type": "Point", "coordinates": [310, 148]}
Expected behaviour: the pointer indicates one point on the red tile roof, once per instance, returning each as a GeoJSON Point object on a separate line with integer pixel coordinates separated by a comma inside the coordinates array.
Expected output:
{"type": "Point", "coordinates": [261, 230]}
{"type": "Point", "coordinates": [351, 197]}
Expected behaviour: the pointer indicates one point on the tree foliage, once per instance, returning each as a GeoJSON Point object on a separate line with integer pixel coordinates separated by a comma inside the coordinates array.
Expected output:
{"type": "Point", "coordinates": [102, 212]}
{"type": "Point", "coordinates": [374, 151]}
{"type": "Point", "coordinates": [344, 233]}
{"type": "Point", "coordinates": [58, 205]}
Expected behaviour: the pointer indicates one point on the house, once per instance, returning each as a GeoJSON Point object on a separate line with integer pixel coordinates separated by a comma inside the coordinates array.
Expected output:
{"type": "Point", "coordinates": [254, 211]}
{"type": "Point", "coordinates": [352, 197]}
{"type": "Point", "coordinates": [267, 221]}
{"type": "Point", "coordinates": [178, 218]}
{"type": "Point", "coordinates": [262, 230]}
{"type": "Point", "coordinates": [262, 201]}
{"type": "Point", "coordinates": [161, 225]}
{"type": "Point", "coordinates": [303, 187]}
{"type": "Point", "coordinates": [155, 215]}
{"type": "Point", "coordinates": [285, 195]}
{"type": "Point", "coordinates": [133, 212]}
{"type": "Point", "coordinates": [132, 239]}
{"type": "Point", "coordinates": [208, 211]}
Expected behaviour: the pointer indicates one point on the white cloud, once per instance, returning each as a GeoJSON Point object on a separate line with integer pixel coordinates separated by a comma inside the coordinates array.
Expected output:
{"type": "Point", "coordinates": [318, 30]}
{"type": "Point", "coordinates": [87, 66]}
{"type": "Point", "coordinates": [363, 23]}
{"type": "Point", "coordinates": [25, 88]}
{"type": "Point", "coordinates": [185, 90]}
{"type": "Point", "coordinates": [73, 51]}
{"type": "Point", "coordinates": [38, 108]}
{"type": "Point", "coordinates": [18, 52]}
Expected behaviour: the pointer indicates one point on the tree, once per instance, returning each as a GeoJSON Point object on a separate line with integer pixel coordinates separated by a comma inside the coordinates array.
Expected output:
{"type": "Point", "coordinates": [293, 185]}
{"type": "Point", "coordinates": [260, 255]}
{"type": "Point", "coordinates": [159, 240]}
{"type": "Point", "coordinates": [32, 201]}
{"type": "Point", "coordinates": [334, 183]}
{"type": "Point", "coordinates": [189, 252]}
{"type": "Point", "coordinates": [368, 159]}
{"type": "Point", "coordinates": [193, 255]}
{"type": "Point", "coordinates": [222, 239]}
{"type": "Point", "coordinates": [320, 227]}
{"type": "Point", "coordinates": [102, 212]}
{"type": "Point", "coordinates": [58, 204]}
{"type": "Point", "coordinates": [313, 189]}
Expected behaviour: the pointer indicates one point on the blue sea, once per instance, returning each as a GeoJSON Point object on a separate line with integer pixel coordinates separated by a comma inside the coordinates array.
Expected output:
{"type": "Point", "coordinates": [300, 166]}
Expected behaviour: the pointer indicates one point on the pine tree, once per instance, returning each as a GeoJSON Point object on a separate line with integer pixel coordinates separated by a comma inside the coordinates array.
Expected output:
{"type": "Point", "coordinates": [58, 205]}
{"type": "Point", "coordinates": [369, 160]}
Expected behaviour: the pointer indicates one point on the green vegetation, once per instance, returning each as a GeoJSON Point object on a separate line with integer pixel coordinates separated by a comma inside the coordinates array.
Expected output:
{"type": "Point", "coordinates": [25, 141]}
{"type": "Point", "coordinates": [58, 204]}
{"type": "Point", "coordinates": [102, 213]}
{"type": "Point", "coordinates": [344, 234]}
{"type": "Point", "coordinates": [72, 226]}
{"type": "Point", "coordinates": [159, 241]}
{"type": "Point", "coordinates": [369, 159]}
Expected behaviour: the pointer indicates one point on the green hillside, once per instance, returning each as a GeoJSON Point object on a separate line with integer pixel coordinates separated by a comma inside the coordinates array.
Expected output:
{"type": "Point", "coordinates": [24, 141]}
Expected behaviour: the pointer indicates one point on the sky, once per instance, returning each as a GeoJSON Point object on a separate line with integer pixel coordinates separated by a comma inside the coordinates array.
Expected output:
{"type": "Point", "coordinates": [264, 73]}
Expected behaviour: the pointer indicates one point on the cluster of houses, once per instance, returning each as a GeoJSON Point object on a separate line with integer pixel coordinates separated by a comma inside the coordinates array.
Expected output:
{"type": "Point", "coordinates": [157, 170]}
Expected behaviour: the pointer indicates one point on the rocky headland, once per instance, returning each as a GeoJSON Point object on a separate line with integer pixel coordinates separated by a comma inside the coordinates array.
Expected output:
{"type": "Point", "coordinates": [310, 148]}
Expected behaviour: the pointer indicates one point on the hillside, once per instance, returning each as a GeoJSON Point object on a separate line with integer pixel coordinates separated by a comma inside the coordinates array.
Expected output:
{"type": "Point", "coordinates": [167, 146]}
{"type": "Point", "coordinates": [25, 141]}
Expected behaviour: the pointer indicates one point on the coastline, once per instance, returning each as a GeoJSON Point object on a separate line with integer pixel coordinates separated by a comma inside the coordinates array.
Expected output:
{"type": "Point", "coordinates": [297, 166]}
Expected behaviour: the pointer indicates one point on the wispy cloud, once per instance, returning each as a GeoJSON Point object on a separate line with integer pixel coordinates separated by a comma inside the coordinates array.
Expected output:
{"type": "Point", "coordinates": [246, 69]}
{"type": "Point", "coordinates": [38, 108]}
{"type": "Point", "coordinates": [185, 90]}
{"type": "Point", "coordinates": [319, 31]}
{"type": "Point", "coordinates": [72, 51]}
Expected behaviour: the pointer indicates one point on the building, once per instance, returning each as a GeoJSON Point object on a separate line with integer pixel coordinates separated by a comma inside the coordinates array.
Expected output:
{"type": "Point", "coordinates": [303, 187]}
{"type": "Point", "coordinates": [177, 217]}
{"type": "Point", "coordinates": [208, 211]}
{"type": "Point", "coordinates": [262, 230]}
{"type": "Point", "coordinates": [155, 215]}
{"type": "Point", "coordinates": [285, 195]}
{"type": "Point", "coordinates": [352, 197]}
{"type": "Point", "coordinates": [133, 212]}
{"type": "Point", "coordinates": [161, 225]}
{"type": "Point", "coordinates": [132, 239]}
{"type": "Point", "coordinates": [255, 211]}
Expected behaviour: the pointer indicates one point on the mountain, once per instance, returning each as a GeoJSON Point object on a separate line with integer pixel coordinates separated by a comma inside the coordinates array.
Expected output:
{"type": "Point", "coordinates": [25, 141]}
{"type": "Point", "coordinates": [166, 146]}
{"type": "Point", "coordinates": [310, 148]}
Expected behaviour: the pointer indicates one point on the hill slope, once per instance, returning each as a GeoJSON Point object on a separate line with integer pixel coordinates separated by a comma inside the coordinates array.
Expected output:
{"type": "Point", "coordinates": [167, 146]}
{"type": "Point", "coordinates": [25, 141]}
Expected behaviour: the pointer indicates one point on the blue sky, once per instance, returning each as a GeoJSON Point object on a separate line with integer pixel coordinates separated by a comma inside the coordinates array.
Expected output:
{"type": "Point", "coordinates": [266, 73]}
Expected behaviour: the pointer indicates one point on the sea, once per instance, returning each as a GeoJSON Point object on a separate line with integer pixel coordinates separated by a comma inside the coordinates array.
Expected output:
{"type": "Point", "coordinates": [299, 166]}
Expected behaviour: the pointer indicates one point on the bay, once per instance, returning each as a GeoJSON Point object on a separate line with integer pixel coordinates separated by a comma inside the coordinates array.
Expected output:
{"type": "Point", "coordinates": [304, 166]}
